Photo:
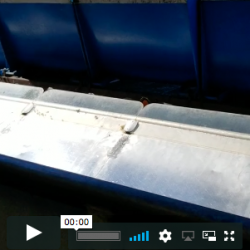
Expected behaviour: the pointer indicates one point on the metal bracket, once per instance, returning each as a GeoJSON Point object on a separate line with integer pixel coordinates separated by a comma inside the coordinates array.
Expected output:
{"type": "Point", "coordinates": [28, 108]}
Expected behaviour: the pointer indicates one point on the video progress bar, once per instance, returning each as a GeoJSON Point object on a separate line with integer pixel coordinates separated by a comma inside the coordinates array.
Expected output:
{"type": "Point", "coordinates": [98, 235]}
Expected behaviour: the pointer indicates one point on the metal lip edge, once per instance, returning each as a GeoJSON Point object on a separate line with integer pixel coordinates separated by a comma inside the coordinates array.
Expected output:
{"type": "Point", "coordinates": [203, 110]}
{"type": "Point", "coordinates": [14, 85]}
{"type": "Point", "coordinates": [194, 128]}
{"type": "Point", "coordinates": [67, 107]}
{"type": "Point", "coordinates": [119, 232]}
{"type": "Point", "coordinates": [56, 91]}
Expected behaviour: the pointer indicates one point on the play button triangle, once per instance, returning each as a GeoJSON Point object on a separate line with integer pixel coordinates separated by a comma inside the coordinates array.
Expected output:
{"type": "Point", "coordinates": [31, 232]}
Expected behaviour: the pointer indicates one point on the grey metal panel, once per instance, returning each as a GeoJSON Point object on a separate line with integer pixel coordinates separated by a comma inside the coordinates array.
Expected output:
{"type": "Point", "coordinates": [179, 171]}
{"type": "Point", "coordinates": [198, 117]}
{"type": "Point", "coordinates": [20, 91]}
{"type": "Point", "coordinates": [92, 101]}
{"type": "Point", "coordinates": [185, 164]}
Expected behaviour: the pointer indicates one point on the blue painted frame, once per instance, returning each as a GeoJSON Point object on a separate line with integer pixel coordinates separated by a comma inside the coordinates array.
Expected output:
{"type": "Point", "coordinates": [3, 61]}
{"type": "Point", "coordinates": [42, 40]}
{"type": "Point", "coordinates": [138, 41]}
{"type": "Point", "coordinates": [225, 46]}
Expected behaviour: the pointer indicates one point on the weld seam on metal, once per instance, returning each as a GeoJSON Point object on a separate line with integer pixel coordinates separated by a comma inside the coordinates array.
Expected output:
{"type": "Point", "coordinates": [117, 148]}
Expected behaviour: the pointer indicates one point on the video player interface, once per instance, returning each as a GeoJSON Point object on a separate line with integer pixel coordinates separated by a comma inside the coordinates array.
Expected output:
{"type": "Point", "coordinates": [44, 232]}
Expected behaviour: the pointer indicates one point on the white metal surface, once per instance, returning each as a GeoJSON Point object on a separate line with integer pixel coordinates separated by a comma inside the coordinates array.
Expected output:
{"type": "Point", "coordinates": [178, 165]}
{"type": "Point", "coordinates": [202, 166]}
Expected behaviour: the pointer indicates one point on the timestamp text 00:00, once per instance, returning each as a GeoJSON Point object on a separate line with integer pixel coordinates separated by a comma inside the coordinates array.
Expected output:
{"type": "Point", "coordinates": [72, 222]}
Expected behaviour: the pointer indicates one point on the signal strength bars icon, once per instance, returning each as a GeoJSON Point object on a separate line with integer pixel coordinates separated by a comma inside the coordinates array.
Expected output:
{"type": "Point", "coordinates": [140, 237]}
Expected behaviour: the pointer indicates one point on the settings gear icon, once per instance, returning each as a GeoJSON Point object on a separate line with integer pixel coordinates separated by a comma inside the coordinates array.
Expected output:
{"type": "Point", "coordinates": [165, 235]}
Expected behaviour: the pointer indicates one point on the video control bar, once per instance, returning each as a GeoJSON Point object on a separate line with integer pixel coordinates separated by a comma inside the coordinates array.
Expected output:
{"type": "Point", "coordinates": [157, 236]}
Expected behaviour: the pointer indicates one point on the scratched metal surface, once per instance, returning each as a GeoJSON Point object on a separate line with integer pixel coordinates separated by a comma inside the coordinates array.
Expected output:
{"type": "Point", "coordinates": [172, 161]}
{"type": "Point", "coordinates": [20, 91]}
